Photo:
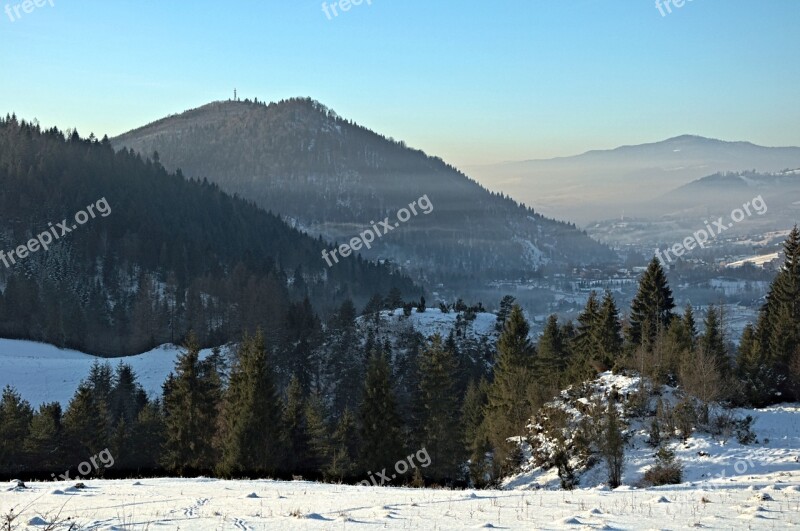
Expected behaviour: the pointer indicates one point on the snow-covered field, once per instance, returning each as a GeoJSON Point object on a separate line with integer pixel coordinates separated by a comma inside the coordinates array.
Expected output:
{"type": "Point", "coordinates": [770, 501]}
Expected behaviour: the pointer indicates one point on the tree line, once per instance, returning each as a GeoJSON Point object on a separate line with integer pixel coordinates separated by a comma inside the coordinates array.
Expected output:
{"type": "Point", "coordinates": [353, 401]}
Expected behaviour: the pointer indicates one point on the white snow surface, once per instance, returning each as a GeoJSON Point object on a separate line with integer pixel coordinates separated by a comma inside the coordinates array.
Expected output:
{"type": "Point", "coordinates": [433, 321]}
{"type": "Point", "coordinates": [768, 501]}
{"type": "Point", "coordinates": [44, 373]}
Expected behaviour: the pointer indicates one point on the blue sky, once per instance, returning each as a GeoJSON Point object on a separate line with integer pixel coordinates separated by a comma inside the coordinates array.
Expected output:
{"type": "Point", "coordinates": [472, 82]}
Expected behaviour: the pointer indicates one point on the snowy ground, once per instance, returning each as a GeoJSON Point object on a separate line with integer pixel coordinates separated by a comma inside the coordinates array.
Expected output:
{"type": "Point", "coordinates": [434, 321]}
{"type": "Point", "coordinates": [770, 501]}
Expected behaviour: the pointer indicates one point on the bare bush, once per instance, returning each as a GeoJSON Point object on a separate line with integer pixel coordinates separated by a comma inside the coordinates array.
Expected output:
{"type": "Point", "coordinates": [701, 377]}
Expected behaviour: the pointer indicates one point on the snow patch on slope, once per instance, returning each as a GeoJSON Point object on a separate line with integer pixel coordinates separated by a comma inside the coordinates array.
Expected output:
{"type": "Point", "coordinates": [44, 373]}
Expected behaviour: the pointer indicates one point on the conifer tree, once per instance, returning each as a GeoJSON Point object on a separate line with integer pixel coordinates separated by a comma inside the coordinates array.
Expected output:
{"type": "Point", "coordinates": [380, 423]}
{"type": "Point", "coordinates": [44, 444]}
{"type": "Point", "coordinates": [15, 420]}
{"type": "Point", "coordinates": [345, 363]}
{"type": "Point", "coordinates": [689, 326]}
{"type": "Point", "coordinates": [438, 405]}
{"type": "Point", "coordinates": [651, 310]}
{"type": "Point", "coordinates": [510, 397]}
{"type": "Point", "coordinates": [345, 444]}
{"type": "Point", "coordinates": [86, 429]}
{"type": "Point", "coordinates": [101, 383]}
{"type": "Point", "coordinates": [147, 438]}
{"type": "Point", "coordinates": [612, 445]}
{"type": "Point", "coordinates": [712, 343]}
{"type": "Point", "coordinates": [754, 370]}
{"type": "Point", "coordinates": [250, 420]}
{"type": "Point", "coordinates": [394, 299]}
{"type": "Point", "coordinates": [609, 332]}
{"type": "Point", "coordinates": [294, 422]}
{"type": "Point", "coordinates": [319, 437]}
{"type": "Point", "coordinates": [127, 397]}
{"type": "Point", "coordinates": [551, 352]}
{"type": "Point", "coordinates": [506, 304]}
{"type": "Point", "coordinates": [777, 334]}
{"type": "Point", "coordinates": [476, 441]}
{"type": "Point", "coordinates": [585, 344]}
{"type": "Point", "coordinates": [191, 400]}
{"type": "Point", "coordinates": [302, 336]}
{"type": "Point", "coordinates": [586, 338]}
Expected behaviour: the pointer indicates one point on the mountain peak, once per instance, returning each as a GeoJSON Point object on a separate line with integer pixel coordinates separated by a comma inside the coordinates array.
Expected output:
{"type": "Point", "coordinates": [335, 178]}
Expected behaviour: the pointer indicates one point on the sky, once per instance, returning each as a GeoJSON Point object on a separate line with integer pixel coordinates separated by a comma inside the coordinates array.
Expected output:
{"type": "Point", "coordinates": [474, 82]}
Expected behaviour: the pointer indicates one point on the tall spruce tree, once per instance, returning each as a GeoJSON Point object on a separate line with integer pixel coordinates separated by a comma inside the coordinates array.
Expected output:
{"type": "Point", "coordinates": [506, 305]}
{"type": "Point", "coordinates": [777, 334]}
{"type": "Point", "coordinates": [588, 329]}
{"type": "Point", "coordinates": [345, 361]}
{"type": "Point", "coordinates": [44, 445]}
{"type": "Point", "coordinates": [612, 445]}
{"type": "Point", "coordinates": [712, 342]}
{"type": "Point", "coordinates": [551, 358]}
{"type": "Point", "coordinates": [438, 405]}
{"type": "Point", "coordinates": [15, 420]}
{"type": "Point", "coordinates": [191, 401]}
{"type": "Point", "coordinates": [319, 436]}
{"type": "Point", "coordinates": [511, 394]}
{"type": "Point", "coordinates": [250, 422]}
{"type": "Point", "coordinates": [294, 421]}
{"type": "Point", "coordinates": [86, 429]}
{"type": "Point", "coordinates": [690, 326]}
{"type": "Point", "coordinates": [381, 426]}
{"type": "Point", "coordinates": [585, 343]}
{"type": "Point", "coordinates": [101, 383]}
{"type": "Point", "coordinates": [609, 332]}
{"type": "Point", "coordinates": [127, 398]}
{"type": "Point", "coordinates": [476, 441]}
{"type": "Point", "coordinates": [651, 309]}
{"type": "Point", "coordinates": [345, 444]}
{"type": "Point", "coordinates": [147, 438]}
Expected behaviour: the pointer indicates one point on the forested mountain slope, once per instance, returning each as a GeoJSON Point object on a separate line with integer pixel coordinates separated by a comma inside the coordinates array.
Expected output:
{"type": "Point", "coordinates": [166, 254]}
{"type": "Point", "coordinates": [332, 177]}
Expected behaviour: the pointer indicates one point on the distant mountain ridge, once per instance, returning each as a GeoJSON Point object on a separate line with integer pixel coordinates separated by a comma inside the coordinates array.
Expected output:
{"type": "Point", "coordinates": [727, 190]}
{"type": "Point", "coordinates": [333, 177]}
{"type": "Point", "coordinates": [603, 184]}
{"type": "Point", "coordinates": [772, 199]}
